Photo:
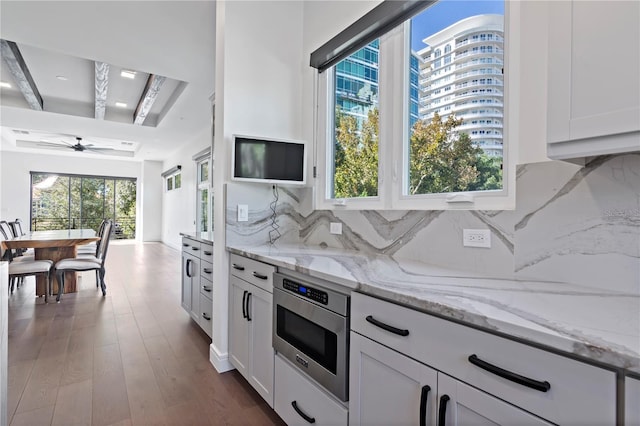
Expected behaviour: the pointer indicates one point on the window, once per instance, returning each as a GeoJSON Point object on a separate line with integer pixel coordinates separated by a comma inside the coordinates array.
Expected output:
{"type": "Point", "coordinates": [173, 181]}
{"type": "Point", "coordinates": [398, 142]}
{"type": "Point", "coordinates": [62, 201]}
{"type": "Point", "coordinates": [203, 205]}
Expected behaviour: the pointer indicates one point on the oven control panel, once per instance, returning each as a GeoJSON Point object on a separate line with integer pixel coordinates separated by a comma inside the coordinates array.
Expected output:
{"type": "Point", "coordinates": [306, 291]}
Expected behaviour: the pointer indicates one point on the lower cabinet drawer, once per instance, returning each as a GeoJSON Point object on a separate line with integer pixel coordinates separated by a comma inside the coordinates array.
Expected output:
{"type": "Point", "coordinates": [206, 317]}
{"type": "Point", "coordinates": [206, 270]}
{"type": "Point", "coordinates": [577, 393]}
{"type": "Point", "coordinates": [298, 401]}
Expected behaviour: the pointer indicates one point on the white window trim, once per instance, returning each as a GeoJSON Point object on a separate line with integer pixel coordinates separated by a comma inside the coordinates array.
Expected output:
{"type": "Point", "coordinates": [393, 156]}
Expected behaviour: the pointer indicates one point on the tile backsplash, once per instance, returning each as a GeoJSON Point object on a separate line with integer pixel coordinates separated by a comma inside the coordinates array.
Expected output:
{"type": "Point", "coordinates": [571, 224]}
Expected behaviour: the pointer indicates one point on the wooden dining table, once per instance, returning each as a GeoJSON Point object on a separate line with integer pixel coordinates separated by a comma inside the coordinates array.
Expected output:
{"type": "Point", "coordinates": [54, 245]}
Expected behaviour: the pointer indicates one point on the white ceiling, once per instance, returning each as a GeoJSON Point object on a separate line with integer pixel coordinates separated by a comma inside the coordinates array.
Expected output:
{"type": "Point", "coordinates": [175, 39]}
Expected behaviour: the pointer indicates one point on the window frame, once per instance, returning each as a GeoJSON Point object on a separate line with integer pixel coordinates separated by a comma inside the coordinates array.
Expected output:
{"type": "Point", "coordinates": [394, 113]}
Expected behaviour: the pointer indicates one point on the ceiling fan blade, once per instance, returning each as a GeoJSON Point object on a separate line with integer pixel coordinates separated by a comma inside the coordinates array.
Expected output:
{"type": "Point", "coordinates": [51, 145]}
{"type": "Point", "coordinates": [111, 151]}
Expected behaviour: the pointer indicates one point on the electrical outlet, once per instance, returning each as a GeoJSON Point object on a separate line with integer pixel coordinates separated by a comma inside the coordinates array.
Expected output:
{"type": "Point", "coordinates": [335, 228]}
{"type": "Point", "coordinates": [476, 238]}
{"type": "Point", "coordinates": [243, 212]}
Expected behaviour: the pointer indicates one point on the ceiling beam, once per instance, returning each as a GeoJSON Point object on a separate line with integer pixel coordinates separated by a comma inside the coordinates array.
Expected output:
{"type": "Point", "coordinates": [102, 84]}
{"type": "Point", "coordinates": [21, 75]}
{"type": "Point", "coordinates": [154, 83]}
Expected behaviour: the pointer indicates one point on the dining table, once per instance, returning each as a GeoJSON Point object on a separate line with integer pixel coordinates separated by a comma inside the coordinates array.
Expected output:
{"type": "Point", "coordinates": [54, 245]}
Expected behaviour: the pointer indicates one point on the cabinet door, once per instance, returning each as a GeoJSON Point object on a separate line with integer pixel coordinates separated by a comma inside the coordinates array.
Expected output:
{"type": "Point", "coordinates": [631, 402]}
{"type": "Point", "coordinates": [259, 306]}
{"type": "Point", "coordinates": [195, 289]}
{"type": "Point", "coordinates": [463, 405]}
{"type": "Point", "coordinates": [239, 326]}
{"type": "Point", "coordinates": [593, 84]}
{"type": "Point", "coordinates": [187, 268]}
{"type": "Point", "coordinates": [388, 388]}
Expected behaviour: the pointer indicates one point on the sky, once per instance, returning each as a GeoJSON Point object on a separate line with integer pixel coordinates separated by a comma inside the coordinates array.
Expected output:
{"type": "Point", "coordinates": [445, 13]}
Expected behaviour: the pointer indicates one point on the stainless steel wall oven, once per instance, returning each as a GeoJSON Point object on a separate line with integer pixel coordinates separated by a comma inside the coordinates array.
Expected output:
{"type": "Point", "coordinates": [311, 329]}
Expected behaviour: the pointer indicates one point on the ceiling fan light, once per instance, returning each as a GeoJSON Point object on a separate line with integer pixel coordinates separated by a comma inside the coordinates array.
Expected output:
{"type": "Point", "coordinates": [128, 74]}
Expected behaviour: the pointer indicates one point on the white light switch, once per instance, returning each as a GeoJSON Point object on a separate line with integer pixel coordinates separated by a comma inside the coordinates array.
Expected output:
{"type": "Point", "coordinates": [335, 228]}
{"type": "Point", "coordinates": [243, 212]}
{"type": "Point", "coordinates": [476, 238]}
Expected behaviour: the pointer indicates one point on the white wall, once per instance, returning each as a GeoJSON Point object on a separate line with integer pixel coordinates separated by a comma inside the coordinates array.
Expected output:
{"type": "Point", "coordinates": [258, 92]}
{"type": "Point", "coordinates": [15, 178]}
{"type": "Point", "coordinates": [179, 205]}
{"type": "Point", "coordinates": [151, 201]}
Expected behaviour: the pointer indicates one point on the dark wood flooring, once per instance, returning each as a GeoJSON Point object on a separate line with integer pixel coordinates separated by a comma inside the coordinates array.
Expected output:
{"type": "Point", "coordinates": [134, 357]}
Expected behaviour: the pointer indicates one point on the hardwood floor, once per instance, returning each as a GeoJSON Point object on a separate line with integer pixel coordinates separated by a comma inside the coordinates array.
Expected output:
{"type": "Point", "coordinates": [134, 357]}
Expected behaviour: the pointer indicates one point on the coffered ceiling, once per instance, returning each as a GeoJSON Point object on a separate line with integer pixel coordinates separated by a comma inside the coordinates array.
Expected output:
{"type": "Point", "coordinates": [79, 57]}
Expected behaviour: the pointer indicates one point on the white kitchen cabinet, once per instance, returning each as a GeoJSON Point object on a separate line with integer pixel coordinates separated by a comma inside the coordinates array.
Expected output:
{"type": "Point", "coordinates": [593, 104]}
{"type": "Point", "coordinates": [251, 319]}
{"type": "Point", "coordinates": [389, 388]}
{"type": "Point", "coordinates": [300, 402]}
{"type": "Point", "coordinates": [631, 401]}
{"type": "Point", "coordinates": [197, 285]}
{"type": "Point", "coordinates": [552, 387]}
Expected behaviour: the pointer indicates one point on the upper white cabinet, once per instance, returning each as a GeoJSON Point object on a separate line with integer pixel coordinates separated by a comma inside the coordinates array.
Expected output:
{"type": "Point", "coordinates": [593, 78]}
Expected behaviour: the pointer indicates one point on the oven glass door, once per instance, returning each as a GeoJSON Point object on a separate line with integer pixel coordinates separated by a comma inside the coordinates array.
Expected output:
{"type": "Point", "coordinates": [315, 341]}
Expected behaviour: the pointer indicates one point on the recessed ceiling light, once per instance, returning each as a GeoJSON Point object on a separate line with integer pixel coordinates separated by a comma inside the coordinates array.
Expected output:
{"type": "Point", "coordinates": [121, 105]}
{"type": "Point", "coordinates": [61, 77]}
{"type": "Point", "coordinates": [128, 74]}
{"type": "Point", "coordinates": [5, 84]}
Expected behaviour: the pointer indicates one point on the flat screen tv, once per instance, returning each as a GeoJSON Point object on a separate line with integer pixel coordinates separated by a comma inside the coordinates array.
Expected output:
{"type": "Point", "coordinates": [270, 160]}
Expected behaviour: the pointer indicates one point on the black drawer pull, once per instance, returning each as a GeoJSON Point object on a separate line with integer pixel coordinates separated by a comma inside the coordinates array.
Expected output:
{"type": "Point", "coordinates": [257, 275]}
{"type": "Point", "coordinates": [207, 270]}
{"type": "Point", "coordinates": [294, 404]}
{"type": "Point", "coordinates": [208, 253]}
{"type": "Point", "coordinates": [248, 311]}
{"type": "Point", "coordinates": [398, 331]}
{"type": "Point", "coordinates": [206, 288]}
{"type": "Point", "coordinates": [514, 377]}
{"type": "Point", "coordinates": [195, 248]}
{"type": "Point", "coordinates": [238, 267]}
{"type": "Point", "coordinates": [185, 245]}
{"type": "Point", "coordinates": [244, 306]}
{"type": "Point", "coordinates": [205, 316]}
{"type": "Point", "coordinates": [424, 397]}
{"type": "Point", "coordinates": [442, 410]}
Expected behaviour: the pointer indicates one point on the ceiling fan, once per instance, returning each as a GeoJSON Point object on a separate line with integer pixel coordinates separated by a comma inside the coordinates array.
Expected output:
{"type": "Point", "coordinates": [77, 147]}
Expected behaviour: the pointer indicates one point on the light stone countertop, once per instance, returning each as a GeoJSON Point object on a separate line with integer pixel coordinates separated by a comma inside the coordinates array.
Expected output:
{"type": "Point", "coordinates": [203, 237]}
{"type": "Point", "coordinates": [586, 322]}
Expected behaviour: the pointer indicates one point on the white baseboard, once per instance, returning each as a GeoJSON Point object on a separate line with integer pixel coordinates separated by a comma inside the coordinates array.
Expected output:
{"type": "Point", "coordinates": [219, 360]}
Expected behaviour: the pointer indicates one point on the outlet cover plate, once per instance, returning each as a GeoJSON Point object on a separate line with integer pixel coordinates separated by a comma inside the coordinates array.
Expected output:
{"type": "Point", "coordinates": [335, 228]}
{"type": "Point", "coordinates": [476, 238]}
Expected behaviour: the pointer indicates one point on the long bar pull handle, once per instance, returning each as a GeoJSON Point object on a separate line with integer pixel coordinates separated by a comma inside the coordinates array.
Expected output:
{"type": "Point", "coordinates": [442, 410]}
{"type": "Point", "coordinates": [248, 310]}
{"type": "Point", "coordinates": [186, 268]}
{"type": "Point", "coordinates": [257, 275]}
{"type": "Point", "coordinates": [207, 270]}
{"type": "Point", "coordinates": [185, 245]}
{"type": "Point", "coordinates": [309, 419]}
{"type": "Point", "coordinates": [389, 328]}
{"type": "Point", "coordinates": [238, 267]}
{"type": "Point", "coordinates": [195, 248]}
{"type": "Point", "coordinates": [244, 299]}
{"type": "Point", "coordinates": [206, 288]}
{"type": "Point", "coordinates": [205, 316]}
{"type": "Point", "coordinates": [424, 398]}
{"type": "Point", "coordinates": [509, 375]}
{"type": "Point", "coordinates": [208, 253]}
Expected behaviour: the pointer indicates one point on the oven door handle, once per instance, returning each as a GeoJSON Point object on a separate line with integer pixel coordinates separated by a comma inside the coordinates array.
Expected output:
{"type": "Point", "coordinates": [244, 309]}
{"type": "Point", "coordinates": [294, 404]}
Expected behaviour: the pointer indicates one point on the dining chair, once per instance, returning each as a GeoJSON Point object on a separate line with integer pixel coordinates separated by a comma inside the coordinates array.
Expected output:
{"type": "Point", "coordinates": [92, 248]}
{"type": "Point", "coordinates": [18, 269]}
{"type": "Point", "coordinates": [6, 230]}
{"type": "Point", "coordinates": [88, 263]}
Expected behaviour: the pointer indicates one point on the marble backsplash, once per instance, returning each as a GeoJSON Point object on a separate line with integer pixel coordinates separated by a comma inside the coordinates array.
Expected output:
{"type": "Point", "coordinates": [571, 224]}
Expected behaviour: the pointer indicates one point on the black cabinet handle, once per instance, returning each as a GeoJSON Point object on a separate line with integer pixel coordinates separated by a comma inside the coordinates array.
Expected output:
{"type": "Point", "coordinates": [205, 316]}
{"type": "Point", "coordinates": [207, 270]}
{"type": "Point", "coordinates": [514, 377]}
{"type": "Point", "coordinates": [257, 275]}
{"type": "Point", "coordinates": [248, 311]}
{"type": "Point", "coordinates": [185, 245]}
{"type": "Point", "coordinates": [424, 397]}
{"type": "Point", "coordinates": [208, 253]}
{"type": "Point", "coordinates": [206, 288]}
{"type": "Point", "coordinates": [394, 330]}
{"type": "Point", "coordinates": [244, 299]}
{"type": "Point", "coordinates": [294, 404]}
{"type": "Point", "coordinates": [238, 267]}
{"type": "Point", "coordinates": [442, 410]}
{"type": "Point", "coordinates": [186, 269]}
{"type": "Point", "coordinates": [195, 248]}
